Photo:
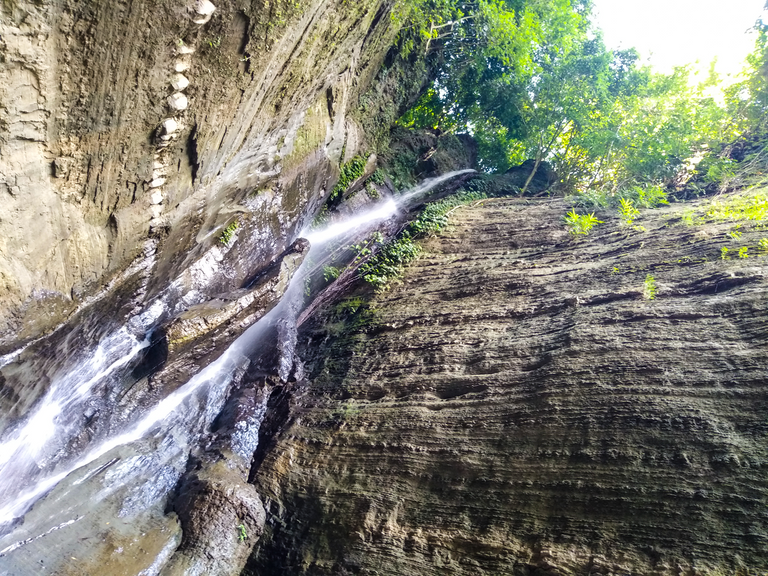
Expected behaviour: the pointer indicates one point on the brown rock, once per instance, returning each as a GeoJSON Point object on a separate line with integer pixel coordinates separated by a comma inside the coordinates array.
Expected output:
{"type": "Point", "coordinates": [517, 406]}
{"type": "Point", "coordinates": [221, 517]}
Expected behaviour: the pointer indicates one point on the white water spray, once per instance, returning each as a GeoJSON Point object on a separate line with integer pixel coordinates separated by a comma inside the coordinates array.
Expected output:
{"type": "Point", "coordinates": [377, 213]}
{"type": "Point", "coordinates": [57, 416]}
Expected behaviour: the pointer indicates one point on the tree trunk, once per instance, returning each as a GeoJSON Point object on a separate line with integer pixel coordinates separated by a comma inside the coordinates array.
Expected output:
{"type": "Point", "coordinates": [532, 174]}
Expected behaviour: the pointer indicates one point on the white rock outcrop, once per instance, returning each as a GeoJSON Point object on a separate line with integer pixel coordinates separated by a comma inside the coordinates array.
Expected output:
{"type": "Point", "coordinates": [177, 101]}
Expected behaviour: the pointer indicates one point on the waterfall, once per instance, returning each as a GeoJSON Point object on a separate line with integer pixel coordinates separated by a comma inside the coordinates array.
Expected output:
{"type": "Point", "coordinates": [31, 463]}
{"type": "Point", "coordinates": [33, 443]}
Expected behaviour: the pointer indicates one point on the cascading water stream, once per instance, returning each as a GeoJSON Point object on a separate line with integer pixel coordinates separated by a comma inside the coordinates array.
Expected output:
{"type": "Point", "coordinates": [30, 446]}
{"type": "Point", "coordinates": [27, 451]}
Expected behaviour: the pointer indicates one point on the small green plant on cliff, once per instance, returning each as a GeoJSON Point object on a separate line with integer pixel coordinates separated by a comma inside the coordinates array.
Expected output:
{"type": "Point", "coordinates": [763, 244]}
{"type": "Point", "coordinates": [434, 216]}
{"type": "Point", "coordinates": [649, 288]}
{"type": "Point", "coordinates": [350, 172]}
{"type": "Point", "coordinates": [378, 177]}
{"type": "Point", "coordinates": [366, 247]}
{"type": "Point", "coordinates": [389, 262]}
{"type": "Point", "coordinates": [241, 534]}
{"type": "Point", "coordinates": [744, 252]}
{"type": "Point", "coordinates": [330, 273]}
{"type": "Point", "coordinates": [346, 411]}
{"type": "Point", "coordinates": [213, 42]}
{"type": "Point", "coordinates": [628, 212]}
{"type": "Point", "coordinates": [372, 192]}
{"type": "Point", "coordinates": [228, 233]}
{"type": "Point", "coordinates": [580, 223]}
{"type": "Point", "coordinates": [724, 253]}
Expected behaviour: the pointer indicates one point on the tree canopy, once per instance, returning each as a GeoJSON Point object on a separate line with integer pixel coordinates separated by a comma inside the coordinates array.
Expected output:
{"type": "Point", "coordinates": [532, 79]}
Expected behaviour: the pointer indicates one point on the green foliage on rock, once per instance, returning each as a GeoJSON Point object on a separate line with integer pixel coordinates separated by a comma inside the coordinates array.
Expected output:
{"type": "Point", "coordinates": [389, 261]}
{"type": "Point", "coordinates": [350, 172]}
{"type": "Point", "coordinates": [749, 206]}
{"type": "Point", "coordinates": [649, 287]}
{"type": "Point", "coordinates": [580, 224]}
{"type": "Point", "coordinates": [628, 212]}
{"type": "Point", "coordinates": [330, 273]}
{"type": "Point", "coordinates": [242, 535]}
{"type": "Point", "coordinates": [229, 233]}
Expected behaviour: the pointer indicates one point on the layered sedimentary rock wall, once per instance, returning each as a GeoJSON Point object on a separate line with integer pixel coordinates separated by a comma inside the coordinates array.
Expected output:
{"type": "Point", "coordinates": [519, 405]}
{"type": "Point", "coordinates": [167, 120]}
{"type": "Point", "coordinates": [525, 402]}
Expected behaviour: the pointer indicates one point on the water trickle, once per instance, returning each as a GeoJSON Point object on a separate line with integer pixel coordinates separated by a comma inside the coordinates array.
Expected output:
{"type": "Point", "coordinates": [380, 211]}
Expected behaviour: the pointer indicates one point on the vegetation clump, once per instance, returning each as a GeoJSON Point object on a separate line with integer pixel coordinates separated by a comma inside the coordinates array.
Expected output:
{"type": "Point", "coordinates": [649, 287]}
{"type": "Point", "coordinates": [229, 233]}
{"type": "Point", "coordinates": [350, 172]}
{"type": "Point", "coordinates": [391, 258]}
{"type": "Point", "coordinates": [241, 533]}
{"type": "Point", "coordinates": [628, 212]}
{"type": "Point", "coordinates": [580, 224]}
{"type": "Point", "coordinates": [749, 206]}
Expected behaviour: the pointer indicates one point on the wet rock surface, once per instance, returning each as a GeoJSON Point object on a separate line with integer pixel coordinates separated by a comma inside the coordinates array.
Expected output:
{"type": "Point", "coordinates": [517, 406]}
{"type": "Point", "coordinates": [243, 306]}
{"type": "Point", "coordinates": [110, 510]}
{"type": "Point", "coordinates": [221, 517]}
{"type": "Point", "coordinates": [127, 121]}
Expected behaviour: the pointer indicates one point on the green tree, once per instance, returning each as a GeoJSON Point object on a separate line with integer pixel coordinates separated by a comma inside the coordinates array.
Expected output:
{"type": "Point", "coordinates": [490, 63]}
{"type": "Point", "coordinates": [531, 79]}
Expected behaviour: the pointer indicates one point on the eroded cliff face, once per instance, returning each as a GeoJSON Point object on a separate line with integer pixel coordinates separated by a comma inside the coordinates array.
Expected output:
{"type": "Point", "coordinates": [157, 163]}
{"type": "Point", "coordinates": [519, 406]}
{"type": "Point", "coordinates": [128, 121]}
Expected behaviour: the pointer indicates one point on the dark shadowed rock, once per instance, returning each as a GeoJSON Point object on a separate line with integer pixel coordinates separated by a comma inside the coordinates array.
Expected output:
{"type": "Point", "coordinates": [221, 517]}
{"type": "Point", "coordinates": [544, 178]}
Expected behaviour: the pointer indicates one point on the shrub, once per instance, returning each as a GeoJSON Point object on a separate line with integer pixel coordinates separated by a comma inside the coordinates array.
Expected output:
{"type": "Point", "coordinates": [718, 170]}
{"type": "Point", "coordinates": [628, 211]}
{"type": "Point", "coordinates": [330, 273]}
{"type": "Point", "coordinates": [228, 233]}
{"type": "Point", "coordinates": [350, 172]}
{"type": "Point", "coordinates": [378, 177]}
{"type": "Point", "coordinates": [580, 224]}
{"type": "Point", "coordinates": [649, 288]}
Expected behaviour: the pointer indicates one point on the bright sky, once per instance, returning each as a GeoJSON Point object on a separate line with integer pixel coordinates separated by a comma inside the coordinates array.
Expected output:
{"type": "Point", "coordinates": [678, 32]}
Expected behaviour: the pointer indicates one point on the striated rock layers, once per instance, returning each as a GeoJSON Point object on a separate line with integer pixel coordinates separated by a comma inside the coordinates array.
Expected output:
{"type": "Point", "coordinates": [520, 406]}
{"type": "Point", "coordinates": [170, 120]}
